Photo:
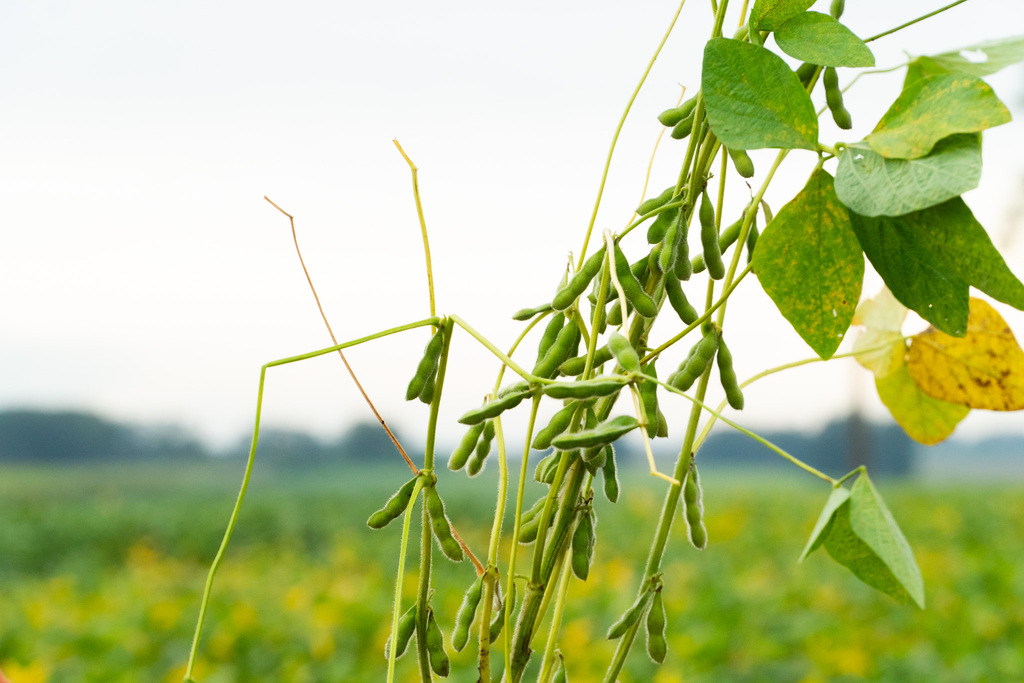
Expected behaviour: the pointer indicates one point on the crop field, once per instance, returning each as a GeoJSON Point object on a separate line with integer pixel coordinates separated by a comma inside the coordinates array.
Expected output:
{"type": "Point", "coordinates": [101, 571]}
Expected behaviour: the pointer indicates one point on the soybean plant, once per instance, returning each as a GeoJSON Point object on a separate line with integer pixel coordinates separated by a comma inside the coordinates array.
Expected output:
{"type": "Point", "coordinates": [892, 197]}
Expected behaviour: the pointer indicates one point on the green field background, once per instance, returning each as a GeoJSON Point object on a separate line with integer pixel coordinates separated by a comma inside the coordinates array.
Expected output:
{"type": "Point", "coordinates": [101, 571]}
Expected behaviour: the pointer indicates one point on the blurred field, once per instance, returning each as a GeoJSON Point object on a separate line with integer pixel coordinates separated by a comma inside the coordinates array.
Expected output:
{"type": "Point", "coordinates": [101, 572]}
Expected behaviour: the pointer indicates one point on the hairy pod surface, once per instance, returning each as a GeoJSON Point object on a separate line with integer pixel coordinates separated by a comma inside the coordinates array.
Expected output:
{"type": "Point", "coordinates": [563, 348]}
{"type": "Point", "coordinates": [657, 647]}
{"type": "Point", "coordinates": [394, 508]}
{"type": "Point", "coordinates": [466, 614]}
{"type": "Point", "coordinates": [427, 367]}
{"type": "Point", "coordinates": [630, 616]}
{"type": "Point", "coordinates": [659, 226]}
{"type": "Point", "coordinates": [727, 374]}
{"type": "Point", "coordinates": [576, 366]}
{"type": "Point", "coordinates": [442, 527]}
{"type": "Point", "coordinates": [568, 294]}
{"type": "Point", "coordinates": [682, 129]}
{"type": "Point", "coordinates": [701, 355]}
{"type": "Point", "coordinates": [741, 160]}
{"type": "Point", "coordinates": [494, 408]}
{"type": "Point", "coordinates": [583, 541]}
{"type": "Point", "coordinates": [434, 639]}
{"type": "Point", "coordinates": [483, 448]}
{"type": "Point", "coordinates": [670, 117]}
{"type": "Point", "coordinates": [524, 314]}
{"type": "Point", "coordinates": [406, 627]}
{"type": "Point", "coordinates": [677, 299]}
{"type": "Point", "coordinates": [624, 353]}
{"type": "Point", "coordinates": [466, 447]}
{"type": "Point", "coordinates": [610, 475]}
{"type": "Point", "coordinates": [648, 391]}
{"type": "Point", "coordinates": [546, 468]}
{"type": "Point", "coordinates": [604, 433]}
{"type": "Point", "coordinates": [655, 202]}
{"type": "Point", "coordinates": [693, 501]}
{"type": "Point", "coordinates": [602, 385]}
{"type": "Point", "coordinates": [709, 239]}
{"type": "Point", "coordinates": [498, 622]}
{"type": "Point", "coordinates": [549, 335]}
{"type": "Point", "coordinates": [560, 421]}
{"type": "Point", "coordinates": [631, 287]}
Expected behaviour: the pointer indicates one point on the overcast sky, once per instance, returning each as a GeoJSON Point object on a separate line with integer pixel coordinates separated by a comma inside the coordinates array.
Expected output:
{"type": "Point", "coordinates": [143, 276]}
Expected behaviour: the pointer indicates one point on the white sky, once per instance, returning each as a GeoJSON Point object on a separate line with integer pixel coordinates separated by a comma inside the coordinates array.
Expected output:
{"type": "Point", "coordinates": [143, 276]}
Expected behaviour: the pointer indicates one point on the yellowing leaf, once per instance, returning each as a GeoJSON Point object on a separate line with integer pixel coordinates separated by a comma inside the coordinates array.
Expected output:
{"type": "Point", "coordinates": [880, 348]}
{"type": "Point", "coordinates": [925, 419]}
{"type": "Point", "coordinates": [982, 369]}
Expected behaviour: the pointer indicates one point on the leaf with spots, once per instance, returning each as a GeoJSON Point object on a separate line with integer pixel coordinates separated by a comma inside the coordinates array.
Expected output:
{"type": "Point", "coordinates": [983, 369]}
{"type": "Point", "coordinates": [754, 100]}
{"type": "Point", "coordinates": [810, 264]}
{"type": "Point", "coordinates": [932, 108]}
{"type": "Point", "coordinates": [819, 39]}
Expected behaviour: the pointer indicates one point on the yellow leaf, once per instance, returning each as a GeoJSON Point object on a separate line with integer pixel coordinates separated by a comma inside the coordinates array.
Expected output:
{"type": "Point", "coordinates": [982, 369]}
{"type": "Point", "coordinates": [925, 419]}
{"type": "Point", "coordinates": [881, 347]}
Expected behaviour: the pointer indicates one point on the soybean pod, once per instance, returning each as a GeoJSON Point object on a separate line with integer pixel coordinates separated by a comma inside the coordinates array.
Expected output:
{"type": "Point", "coordinates": [709, 239]}
{"type": "Point", "coordinates": [683, 128]}
{"type": "Point", "coordinates": [727, 373]}
{"type": "Point", "coordinates": [583, 540]}
{"type": "Point", "coordinates": [427, 367]}
{"type": "Point", "coordinates": [402, 636]}
{"type": "Point", "coordinates": [441, 526]}
{"type": "Point", "coordinates": [547, 468]}
{"type": "Point", "coordinates": [631, 287]}
{"type": "Point", "coordinates": [576, 366]}
{"type": "Point", "coordinates": [611, 476]}
{"type": "Point", "coordinates": [701, 355]}
{"type": "Point", "coordinates": [677, 299]}
{"type": "Point", "coordinates": [568, 294]}
{"type": "Point", "coordinates": [693, 508]}
{"type": "Point", "coordinates": [834, 99]}
{"type": "Point", "coordinates": [563, 348]}
{"type": "Point", "coordinates": [550, 334]}
{"type": "Point", "coordinates": [466, 614]}
{"type": "Point", "coordinates": [509, 604]}
{"type": "Point", "coordinates": [625, 354]}
{"type": "Point", "coordinates": [741, 160]}
{"type": "Point", "coordinates": [655, 202]}
{"type": "Point", "coordinates": [604, 433]}
{"type": "Point", "coordinates": [525, 314]}
{"type": "Point", "coordinates": [648, 391]}
{"type": "Point", "coordinates": [657, 647]}
{"type": "Point", "coordinates": [434, 640]}
{"type": "Point", "coordinates": [394, 508]}
{"type": "Point", "coordinates": [583, 389]}
{"type": "Point", "coordinates": [465, 448]}
{"type": "Point", "coordinates": [558, 424]}
{"type": "Point", "coordinates": [671, 117]}
{"type": "Point", "coordinates": [726, 239]}
{"type": "Point", "coordinates": [630, 616]}
{"type": "Point", "coordinates": [836, 9]}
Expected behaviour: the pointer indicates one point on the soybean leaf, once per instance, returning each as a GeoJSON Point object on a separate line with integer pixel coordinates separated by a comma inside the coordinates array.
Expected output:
{"type": "Point", "coordinates": [982, 59]}
{"type": "Point", "coordinates": [983, 369]}
{"type": "Point", "coordinates": [865, 539]}
{"type": "Point", "coordinates": [838, 496]}
{"type": "Point", "coordinates": [880, 347]}
{"type": "Point", "coordinates": [819, 39]}
{"type": "Point", "coordinates": [933, 108]}
{"type": "Point", "coordinates": [754, 100]}
{"type": "Point", "coordinates": [928, 258]}
{"type": "Point", "coordinates": [810, 264]}
{"type": "Point", "coordinates": [768, 15]}
{"type": "Point", "coordinates": [873, 185]}
{"type": "Point", "coordinates": [926, 420]}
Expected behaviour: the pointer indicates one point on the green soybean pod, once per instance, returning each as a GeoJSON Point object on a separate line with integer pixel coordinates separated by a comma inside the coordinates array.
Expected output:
{"type": "Point", "coordinates": [550, 334]}
{"type": "Point", "coordinates": [834, 99]}
{"type": "Point", "coordinates": [625, 354]}
{"type": "Point", "coordinates": [441, 527]}
{"type": "Point", "coordinates": [498, 622]}
{"type": "Point", "coordinates": [631, 287]}
{"type": "Point", "coordinates": [560, 675]}
{"type": "Point", "coordinates": [427, 367]}
{"type": "Point", "coordinates": [524, 314]}
{"type": "Point", "coordinates": [752, 236]}
{"type": "Point", "coordinates": [630, 616]}
{"type": "Point", "coordinates": [709, 239]}
{"type": "Point", "coordinates": [604, 433]}
{"type": "Point", "coordinates": [558, 424]}
{"type": "Point", "coordinates": [663, 257]}
{"type": "Point", "coordinates": [483, 448]}
{"type": "Point", "coordinates": [659, 226]}
{"type": "Point", "coordinates": [682, 128]}
{"type": "Point", "coordinates": [836, 10]}
{"type": "Point", "coordinates": [693, 503]}
{"type": "Point", "coordinates": [611, 476]}
{"type": "Point", "coordinates": [741, 160]}
{"type": "Point", "coordinates": [671, 117]}
{"type": "Point", "coordinates": [662, 425]}
{"type": "Point", "coordinates": [677, 299]}
{"type": "Point", "coordinates": [805, 72]}
{"type": "Point", "coordinates": [394, 508]}
{"type": "Point", "coordinates": [727, 373]}
{"type": "Point", "coordinates": [576, 366]}
{"type": "Point", "coordinates": [602, 385]}
{"type": "Point", "coordinates": [406, 627]}
{"type": "Point", "coordinates": [657, 648]}
{"type": "Point", "coordinates": [583, 540]}
{"type": "Point", "coordinates": [466, 447]}
{"type": "Point", "coordinates": [565, 296]}
{"type": "Point", "coordinates": [614, 316]}
{"type": "Point", "coordinates": [467, 612]}
{"type": "Point", "coordinates": [546, 468]}
{"type": "Point", "coordinates": [563, 348]}
{"type": "Point", "coordinates": [475, 465]}
{"type": "Point", "coordinates": [651, 204]}
{"type": "Point", "coordinates": [648, 391]}
{"type": "Point", "coordinates": [493, 408]}
{"type": "Point", "coordinates": [434, 640]}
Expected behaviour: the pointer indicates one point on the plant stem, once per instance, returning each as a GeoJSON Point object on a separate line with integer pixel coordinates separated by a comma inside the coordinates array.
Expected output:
{"type": "Point", "coordinates": [423, 224]}
{"type": "Point", "coordinates": [399, 579]}
{"type": "Point", "coordinates": [914, 21]}
{"type": "Point", "coordinates": [492, 348]}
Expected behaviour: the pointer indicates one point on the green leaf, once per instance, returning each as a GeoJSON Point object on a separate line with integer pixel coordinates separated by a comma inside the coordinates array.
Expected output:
{"type": "Point", "coordinates": [754, 100]}
{"type": "Point", "coordinates": [838, 496]}
{"type": "Point", "coordinates": [982, 59]}
{"type": "Point", "coordinates": [819, 39]}
{"type": "Point", "coordinates": [864, 538]}
{"type": "Point", "coordinates": [933, 108]}
{"type": "Point", "coordinates": [768, 15]}
{"type": "Point", "coordinates": [929, 258]}
{"type": "Point", "coordinates": [926, 420]}
{"type": "Point", "coordinates": [810, 264]}
{"type": "Point", "coordinates": [872, 185]}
